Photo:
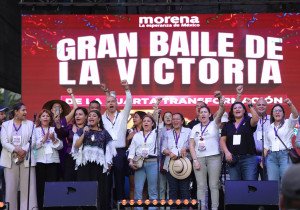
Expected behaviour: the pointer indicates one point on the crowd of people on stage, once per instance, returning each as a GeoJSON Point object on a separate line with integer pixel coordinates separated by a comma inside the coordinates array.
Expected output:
{"type": "Point", "coordinates": [162, 155]}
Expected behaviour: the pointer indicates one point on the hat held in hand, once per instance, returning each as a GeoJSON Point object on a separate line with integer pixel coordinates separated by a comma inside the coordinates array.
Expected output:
{"type": "Point", "coordinates": [180, 168]}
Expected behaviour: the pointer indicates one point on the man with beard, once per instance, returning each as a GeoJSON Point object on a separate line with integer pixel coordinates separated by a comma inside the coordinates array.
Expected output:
{"type": "Point", "coordinates": [115, 122]}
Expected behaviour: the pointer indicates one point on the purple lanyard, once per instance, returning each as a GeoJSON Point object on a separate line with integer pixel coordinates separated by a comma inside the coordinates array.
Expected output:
{"type": "Point", "coordinates": [44, 130]}
{"type": "Point", "coordinates": [276, 131]}
{"type": "Point", "coordinates": [263, 121]}
{"type": "Point", "coordinates": [202, 131]}
{"type": "Point", "coordinates": [17, 129]}
{"type": "Point", "coordinates": [113, 123]}
{"type": "Point", "coordinates": [176, 137]}
{"type": "Point", "coordinates": [146, 138]}
{"type": "Point", "coordinates": [239, 125]}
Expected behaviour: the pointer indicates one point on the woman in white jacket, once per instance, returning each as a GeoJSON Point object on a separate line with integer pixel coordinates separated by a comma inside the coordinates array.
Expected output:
{"type": "Point", "coordinates": [15, 136]}
{"type": "Point", "coordinates": [47, 158]}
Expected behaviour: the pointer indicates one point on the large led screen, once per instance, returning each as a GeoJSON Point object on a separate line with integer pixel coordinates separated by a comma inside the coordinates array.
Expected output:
{"type": "Point", "coordinates": [182, 58]}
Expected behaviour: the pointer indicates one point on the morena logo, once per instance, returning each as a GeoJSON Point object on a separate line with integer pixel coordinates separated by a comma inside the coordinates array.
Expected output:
{"type": "Point", "coordinates": [169, 20]}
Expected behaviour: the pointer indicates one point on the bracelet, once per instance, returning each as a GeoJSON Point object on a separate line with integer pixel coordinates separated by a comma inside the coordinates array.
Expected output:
{"type": "Point", "coordinates": [250, 105]}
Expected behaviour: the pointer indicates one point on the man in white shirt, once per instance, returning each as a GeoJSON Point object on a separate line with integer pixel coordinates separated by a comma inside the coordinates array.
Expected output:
{"type": "Point", "coordinates": [260, 134]}
{"type": "Point", "coordinates": [115, 122]}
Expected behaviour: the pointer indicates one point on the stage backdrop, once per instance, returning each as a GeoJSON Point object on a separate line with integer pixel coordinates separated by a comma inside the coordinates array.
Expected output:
{"type": "Point", "coordinates": [182, 58]}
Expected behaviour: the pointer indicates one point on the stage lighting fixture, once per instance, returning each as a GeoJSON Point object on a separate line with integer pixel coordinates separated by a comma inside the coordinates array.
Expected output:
{"type": "Point", "coordinates": [170, 202]}
{"type": "Point", "coordinates": [124, 202]}
{"type": "Point", "coordinates": [194, 202]}
{"type": "Point", "coordinates": [159, 203]}
{"type": "Point", "coordinates": [163, 202]}
{"type": "Point", "coordinates": [4, 205]}
{"type": "Point", "coordinates": [131, 202]}
{"type": "Point", "coordinates": [147, 202]}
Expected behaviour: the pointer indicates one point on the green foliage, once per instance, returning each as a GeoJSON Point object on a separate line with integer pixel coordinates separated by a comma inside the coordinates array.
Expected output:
{"type": "Point", "coordinates": [8, 98]}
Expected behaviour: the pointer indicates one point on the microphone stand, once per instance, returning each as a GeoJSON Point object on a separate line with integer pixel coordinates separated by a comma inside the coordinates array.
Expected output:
{"type": "Point", "coordinates": [157, 145]}
{"type": "Point", "coordinates": [29, 168]}
{"type": "Point", "coordinates": [262, 144]}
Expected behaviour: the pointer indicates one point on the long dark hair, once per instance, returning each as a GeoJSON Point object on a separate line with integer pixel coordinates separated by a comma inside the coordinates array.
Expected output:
{"type": "Point", "coordinates": [15, 108]}
{"type": "Point", "coordinates": [272, 119]}
{"type": "Point", "coordinates": [100, 125]}
{"type": "Point", "coordinates": [141, 114]}
{"type": "Point", "coordinates": [84, 110]}
{"type": "Point", "coordinates": [231, 117]}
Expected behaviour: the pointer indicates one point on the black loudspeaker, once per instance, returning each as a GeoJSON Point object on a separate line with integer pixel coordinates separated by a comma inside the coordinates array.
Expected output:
{"type": "Point", "coordinates": [242, 195]}
{"type": "Point", "coordinates": [71, 194]}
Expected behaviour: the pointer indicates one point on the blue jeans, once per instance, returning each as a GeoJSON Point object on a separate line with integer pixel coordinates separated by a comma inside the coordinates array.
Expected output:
{"type": "Point", "coordinates": [244, 169]}
{"type": "Point", "coordinates": [277, 164]}
{"type": "Point", "coordinates": [149, 171]}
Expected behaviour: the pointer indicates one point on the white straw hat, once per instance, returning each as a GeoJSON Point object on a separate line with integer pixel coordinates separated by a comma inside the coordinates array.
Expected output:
{"type": "Point", "coordinates": [180, 168]}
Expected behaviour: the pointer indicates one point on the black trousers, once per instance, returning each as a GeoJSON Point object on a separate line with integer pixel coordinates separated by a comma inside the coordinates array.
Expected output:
{"type": "Point", "coordinates": [45, 172]}
{"type": "Point", "coordinates": [94, 172]}
{"type": "Point", "coordinates": [69, 168]}
{"type": "Point", "coordinates": [120, 168]}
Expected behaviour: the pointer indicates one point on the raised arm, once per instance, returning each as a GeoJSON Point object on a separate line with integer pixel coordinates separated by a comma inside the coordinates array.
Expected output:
{"type": "Point", "coordinates": [156, 110]}
{"type": "Point", "coordinates": [105, 89]}
{"type": "Point", "coordinates": [292, 108]}
{"type": "Point", "coordinates": [128, 103]}
{"type": "Point", "coordinates": [239, 91]}
{"type": "Point", "coordinates": [255, 118]}
{"type": "Point", "coordinates": [220, 111]}
{"type": "Point", "coordinates": [69, 117]}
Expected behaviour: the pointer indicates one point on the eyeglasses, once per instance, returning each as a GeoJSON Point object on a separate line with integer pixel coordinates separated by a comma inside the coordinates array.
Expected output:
{"type": "Point", "coordinates": [277, 110]}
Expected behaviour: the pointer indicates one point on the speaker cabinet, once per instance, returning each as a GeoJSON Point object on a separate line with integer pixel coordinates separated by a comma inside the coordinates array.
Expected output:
{"type": "Point", "coordinates": [71, 194]}
{"type": "Point", "coordinates": [251, 195]}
